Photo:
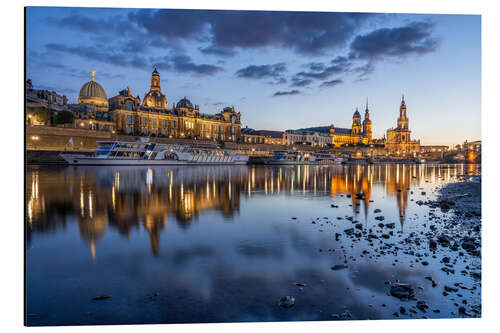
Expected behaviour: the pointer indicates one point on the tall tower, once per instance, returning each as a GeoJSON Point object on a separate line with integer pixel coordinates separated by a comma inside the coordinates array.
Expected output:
{"type": "Point", "coordinates": [367, 124]}
{"type": "Point", "coordinates": [356, 123]}
{"type": "Point", "coordinates": [403, 119]}
{"type": "Point", "coordinates": [154, 98]}
{"type": "Point", "coordinates": [155, 80]}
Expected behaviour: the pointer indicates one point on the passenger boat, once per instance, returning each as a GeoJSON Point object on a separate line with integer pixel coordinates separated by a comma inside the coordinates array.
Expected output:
{"type": "Point", "coordinates": [291, 157]}
{"type": "Point", "coordinates": [144, 152]}
{"type": "Point", "coordinates": [327, 158]}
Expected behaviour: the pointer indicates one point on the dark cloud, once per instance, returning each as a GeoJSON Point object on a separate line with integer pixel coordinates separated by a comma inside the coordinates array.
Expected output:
{"type": "Point", "coordinates": [341, 61]}
{"type": "Point", "coordinates": [217, 51]}
{"type": "Point", "coordinates": [275, 71]}
{"type": "Point", "coordinates": [331, 83]}
{"type": "Point", "coordinates": [184, 64]}
{"type": "Point", "coordinates": [94, 25]}
{"type": "Point", "coordinates": [137, 45]}
{"type": "Point", "coordinates": [102, 54]}
{"type": "Point", "coordinates": [414, 38]}
{"type": "Point", "coordinates": [364, 70]}
{"type": "Point", "coordinates": [284, 93]}
{"type": "Point", "coordinates": [303, 32]}
{"type": "Point", "coordinates": [296, 82]}
{"type": "Point", "coordinates": [279, 80]}
{"type": "Point", "coordinates": [315, 66]}
{"type": "Point", "coordinates": [172, 23]}
{"type": "Point", "coordinates": [325, 73]}
{"type": "Point", "coordinates": [366, 50]}
{"type": "Point", "coordinates": [178, 63]}
{"type": "Point", "coordinates": [126, 40]}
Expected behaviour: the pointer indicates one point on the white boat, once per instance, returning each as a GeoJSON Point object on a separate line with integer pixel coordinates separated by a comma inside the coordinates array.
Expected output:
{"type": "Point", "coordinates": [144, 152]}
{"type": "Point", "coordinates": [327, 158]}
{"type": "Point", "coordinates": [291, 157]}
{"type": "Point", "coordinates": [288, 157]}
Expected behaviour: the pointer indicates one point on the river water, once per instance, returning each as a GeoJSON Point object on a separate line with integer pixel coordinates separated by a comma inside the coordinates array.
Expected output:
{"type": "Point", "coordinates": [193, 244]}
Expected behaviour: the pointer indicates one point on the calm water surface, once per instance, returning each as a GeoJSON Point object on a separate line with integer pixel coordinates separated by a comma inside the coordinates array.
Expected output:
{"type": "Point", "coordinates": [224, 243]}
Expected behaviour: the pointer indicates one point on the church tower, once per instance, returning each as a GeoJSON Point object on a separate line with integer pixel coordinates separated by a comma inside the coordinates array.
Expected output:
{"type": "Point", "coordinates": [155, 80]}
{"type": "Point", "coordinates": [403, 119]}
{"type": "Point", "coordinates": [154, 98]}
{"type": "Point", "coordinates": [356, 123]}
{"type": "Point", "coordinates": [367, 124]}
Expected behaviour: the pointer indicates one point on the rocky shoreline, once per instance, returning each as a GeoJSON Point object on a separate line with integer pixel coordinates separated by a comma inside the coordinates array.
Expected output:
{"type": "Point", "coordinates": [450, 241]}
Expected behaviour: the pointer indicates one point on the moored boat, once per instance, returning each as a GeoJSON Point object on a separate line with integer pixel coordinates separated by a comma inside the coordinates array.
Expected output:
{"type": "Point", "coordinates": [144, 152]}
{"type": "Point", "coordinates": [292, 157]}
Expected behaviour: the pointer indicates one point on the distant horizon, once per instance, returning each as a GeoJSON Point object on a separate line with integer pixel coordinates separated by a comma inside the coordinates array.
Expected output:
{"type": "Point", "coordinates": [281, 70]}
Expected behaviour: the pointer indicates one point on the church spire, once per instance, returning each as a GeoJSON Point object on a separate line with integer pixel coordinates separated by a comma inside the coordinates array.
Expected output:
{"type": "Point", "coordinates": [93, 75]}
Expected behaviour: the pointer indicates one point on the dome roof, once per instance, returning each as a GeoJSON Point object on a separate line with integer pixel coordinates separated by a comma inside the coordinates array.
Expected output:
{"type": "Point", "coordinates": [184, 103]}
{"type": "Point", "coordinates": [356, 114]}
{"type": "Point", "coordinates": [92, 92]}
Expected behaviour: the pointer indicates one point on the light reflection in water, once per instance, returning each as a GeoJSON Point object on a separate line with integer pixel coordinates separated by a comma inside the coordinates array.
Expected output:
{"type": "Point", "coordinates": [126, 198]}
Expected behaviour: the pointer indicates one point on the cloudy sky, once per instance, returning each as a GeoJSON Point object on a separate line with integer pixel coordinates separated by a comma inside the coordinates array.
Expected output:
{"type": "Point", "coordinates": [281, 70]}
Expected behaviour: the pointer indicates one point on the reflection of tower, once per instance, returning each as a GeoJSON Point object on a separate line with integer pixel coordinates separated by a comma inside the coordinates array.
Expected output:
{"type": "Point", "coordinates": [398, 185]}
{"type": "Point", "coordinates": [154, 225]}
{"type": "Point", "coordinates": [354, 180]}
{"type": "Point", "coordinates": [366, 187]}
{"type": "Point", "coordinates": [92, 228]}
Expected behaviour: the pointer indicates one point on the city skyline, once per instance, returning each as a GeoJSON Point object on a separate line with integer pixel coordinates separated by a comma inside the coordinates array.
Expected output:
{"type": "Point", "coordinates": [288, 70]}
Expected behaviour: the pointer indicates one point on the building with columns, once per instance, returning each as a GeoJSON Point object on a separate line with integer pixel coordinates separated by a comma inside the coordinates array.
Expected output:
{"type": "Point", "coordinates": [153, 117]}
{"type": "Point", "coordinates": [126, 114]}
{"type": "Point", "coordinates": [398, 141]}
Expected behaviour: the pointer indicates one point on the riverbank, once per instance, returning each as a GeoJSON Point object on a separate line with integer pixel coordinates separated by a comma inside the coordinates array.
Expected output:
{"type": "Point", "coordinates": [464, 197]}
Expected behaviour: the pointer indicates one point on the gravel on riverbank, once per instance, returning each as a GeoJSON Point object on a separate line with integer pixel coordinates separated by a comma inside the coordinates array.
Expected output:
{"type": "Point", "coordinates": [465, 194]}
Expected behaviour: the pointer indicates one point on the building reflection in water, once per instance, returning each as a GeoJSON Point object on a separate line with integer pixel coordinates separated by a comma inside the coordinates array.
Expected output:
{"type": "Point", "coordinates": [128, 199]}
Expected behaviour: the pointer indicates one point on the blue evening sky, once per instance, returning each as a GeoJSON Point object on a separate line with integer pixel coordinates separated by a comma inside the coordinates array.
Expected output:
{"type": "Point", "coordinates": [281, 70]}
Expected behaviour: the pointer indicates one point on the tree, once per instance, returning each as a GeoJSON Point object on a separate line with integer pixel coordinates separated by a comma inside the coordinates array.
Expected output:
{"type": "Point", "coordinates": [41, 116]}
{"type": "Point", "coordinates": [64, 117]}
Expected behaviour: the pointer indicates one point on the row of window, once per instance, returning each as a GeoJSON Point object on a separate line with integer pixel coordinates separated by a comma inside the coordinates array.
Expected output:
{"type": "Point", "coordinates": [174, 133]}
{"type": "Point", "coordinates": [188, 124]}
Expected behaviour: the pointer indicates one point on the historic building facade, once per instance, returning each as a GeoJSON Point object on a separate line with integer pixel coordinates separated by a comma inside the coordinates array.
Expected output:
{"type": "Point", "coordinates": [307, 136]}
{"type": "Point", "coordinates": [126, 114]}
{"type": "Point", "coordinates": [92, 110]}
{"type": "Point", "coordinates": [182, 120]}
{"type": "Point", "coordinates": [398, 141]}
{"type": "Point", "coordinates": [249, 135]}
{"type": "Point", "coordinates": [359, 133]}
{"type": "Point", "coordinates": [42, 102]}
